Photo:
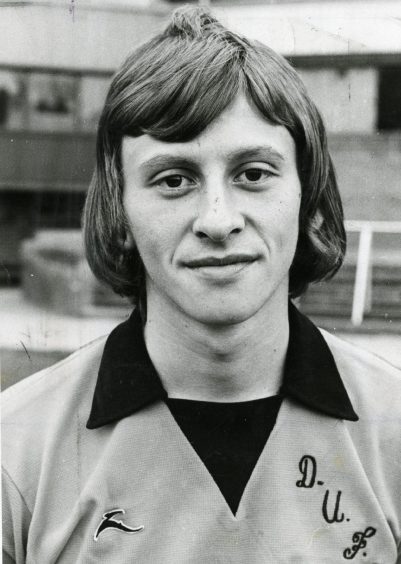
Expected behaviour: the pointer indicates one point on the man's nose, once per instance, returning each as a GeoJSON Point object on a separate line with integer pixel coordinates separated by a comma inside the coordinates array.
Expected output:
{"type": "Point", "coordinates": [218, 216]}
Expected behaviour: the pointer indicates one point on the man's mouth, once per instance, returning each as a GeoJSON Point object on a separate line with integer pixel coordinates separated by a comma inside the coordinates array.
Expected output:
{"type": "Point", "coordinates": [224, 261]}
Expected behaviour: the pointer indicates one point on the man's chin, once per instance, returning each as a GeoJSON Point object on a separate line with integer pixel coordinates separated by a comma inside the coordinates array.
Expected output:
{"type": "Point", "coordinates": [222, 315]}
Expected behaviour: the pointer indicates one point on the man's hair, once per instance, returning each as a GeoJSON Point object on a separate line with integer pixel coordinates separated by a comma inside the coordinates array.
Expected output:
{"type": "Point", "coordinates": [172, 88]}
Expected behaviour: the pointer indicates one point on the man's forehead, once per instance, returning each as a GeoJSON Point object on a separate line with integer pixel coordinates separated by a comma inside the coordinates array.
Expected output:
{"type": "Point", "coordinates": [239, 128]}
{"type": "Point", "coordinates": [146, 151]}
{"type": "Point", "coordinates": [183, 158]}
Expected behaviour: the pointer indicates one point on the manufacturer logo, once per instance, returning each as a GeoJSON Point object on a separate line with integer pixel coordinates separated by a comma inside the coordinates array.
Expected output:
{"type": "Point", "coordinates": [109, 523]}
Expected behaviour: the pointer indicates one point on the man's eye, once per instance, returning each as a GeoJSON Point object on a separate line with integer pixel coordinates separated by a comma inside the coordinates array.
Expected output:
{"type": "Point", "coordinates": [253, 175]}
{"type": "Point", "coordinates": [175, 181]}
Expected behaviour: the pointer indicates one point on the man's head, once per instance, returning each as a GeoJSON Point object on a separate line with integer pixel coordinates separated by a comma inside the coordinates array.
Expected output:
{"type": "Point", "coordinates": [171, 90]}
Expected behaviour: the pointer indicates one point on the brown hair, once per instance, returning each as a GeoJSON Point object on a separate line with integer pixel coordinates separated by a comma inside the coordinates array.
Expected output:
{"type": "Point", "coordinates": [171, 88]}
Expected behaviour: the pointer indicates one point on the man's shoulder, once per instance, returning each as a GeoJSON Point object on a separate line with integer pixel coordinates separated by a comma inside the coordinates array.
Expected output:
{"type": "Point", "coordinates": [43, 419]}
{"type": "Point", "coordinates": [66, 380]}
{"type": "Point", "coordinates": [44, 410]}
{"type": "Point", "coordinates": [373, 384]}
{"type": "Point", "coordinates": [47, 407]}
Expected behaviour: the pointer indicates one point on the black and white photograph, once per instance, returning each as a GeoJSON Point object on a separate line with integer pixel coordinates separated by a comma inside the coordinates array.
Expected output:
{"type": "Point", "coordinates": [200, 281]}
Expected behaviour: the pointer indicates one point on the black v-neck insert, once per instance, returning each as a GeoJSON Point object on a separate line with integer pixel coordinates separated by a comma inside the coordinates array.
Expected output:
{"type": "Point", "coordinates": [227, 437]}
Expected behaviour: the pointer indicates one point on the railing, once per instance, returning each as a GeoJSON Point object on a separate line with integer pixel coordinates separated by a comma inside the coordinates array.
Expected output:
{"type": "Point", "coordinates": [361, 301]}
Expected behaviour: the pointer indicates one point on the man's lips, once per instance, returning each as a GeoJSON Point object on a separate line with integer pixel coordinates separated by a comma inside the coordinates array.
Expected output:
{"type": "Point", "coordinates": [210, 261]}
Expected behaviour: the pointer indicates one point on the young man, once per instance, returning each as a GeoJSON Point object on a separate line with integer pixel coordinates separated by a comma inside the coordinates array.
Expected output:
{"type": "Point", "coordinates": [217, 424]}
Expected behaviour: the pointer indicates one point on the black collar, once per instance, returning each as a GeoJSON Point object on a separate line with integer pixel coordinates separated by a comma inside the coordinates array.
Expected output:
{"type": "Point", "coordinates": [128, 381]}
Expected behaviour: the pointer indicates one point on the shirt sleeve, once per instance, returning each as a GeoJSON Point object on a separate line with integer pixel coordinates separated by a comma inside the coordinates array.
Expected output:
{"type": "Point", "coordinates": [16, 519]}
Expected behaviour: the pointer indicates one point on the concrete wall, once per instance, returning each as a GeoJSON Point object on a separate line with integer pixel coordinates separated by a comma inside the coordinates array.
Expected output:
{"type": "Point", "coordinates": [347, 98]}
{"type": "Point", "coordinates": [65, 35]}
{"type": "Point", "coordinates": [319, 28]}
{"type": "Point", "coordinates": [369, 175]}
{"type": "Point", "coordinates": [99, 33]}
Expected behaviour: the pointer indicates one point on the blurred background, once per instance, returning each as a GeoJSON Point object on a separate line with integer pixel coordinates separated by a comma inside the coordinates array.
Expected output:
{"type": "Point", "coordinates": [56, 61]}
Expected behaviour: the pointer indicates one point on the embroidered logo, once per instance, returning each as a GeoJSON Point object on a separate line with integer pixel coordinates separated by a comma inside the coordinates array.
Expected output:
{"type": "Point", "coordinates": [109, 523]}
{"type": "Point", "coordinates": [359, 540]}
{"type": "Point", "coordinates": [331, 508]}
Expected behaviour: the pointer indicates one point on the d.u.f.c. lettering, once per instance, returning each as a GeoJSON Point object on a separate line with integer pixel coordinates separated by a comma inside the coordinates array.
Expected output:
{"type": "Point", "coordinates": [336, 516]}
{"type": "Point", "coordinates": [308, 468]}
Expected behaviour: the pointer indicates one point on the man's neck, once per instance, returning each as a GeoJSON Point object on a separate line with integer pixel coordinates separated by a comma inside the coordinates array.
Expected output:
{"type": "Point", "coordinates": [232, 363]}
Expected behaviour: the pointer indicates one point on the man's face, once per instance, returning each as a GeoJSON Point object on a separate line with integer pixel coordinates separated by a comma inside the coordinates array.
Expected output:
{"type": "Point", "coordinates": [215, 219]}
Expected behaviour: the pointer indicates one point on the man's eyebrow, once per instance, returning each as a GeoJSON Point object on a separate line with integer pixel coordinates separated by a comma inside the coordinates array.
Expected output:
{"type": "Point", "coordinates": [165, 161]}
{"type": "Point", "coordinates": [242, 153]}
{"type": "Point", "coordinates": [256, 152]}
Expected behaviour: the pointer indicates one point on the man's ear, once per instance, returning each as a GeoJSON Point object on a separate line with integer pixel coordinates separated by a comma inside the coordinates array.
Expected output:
{"type": "Point", "coordinates": [126, 242]}
{"type": "Point", "coordinates": [313, 231]}
{"type": "Point", "coordinates": [129, 242]}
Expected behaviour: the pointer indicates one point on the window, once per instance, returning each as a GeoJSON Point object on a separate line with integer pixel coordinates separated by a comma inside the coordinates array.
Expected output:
{"type": "Point", "coordinates": [52, 101]}
{"type": "Point", "coordinates": [389, 103]}
{"type": "Point", "coordinates": [12, 99]}
{"type": "Point", "coordinates": [92, 95]}
{"type": "Point", "coordinates": [34, 100]}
